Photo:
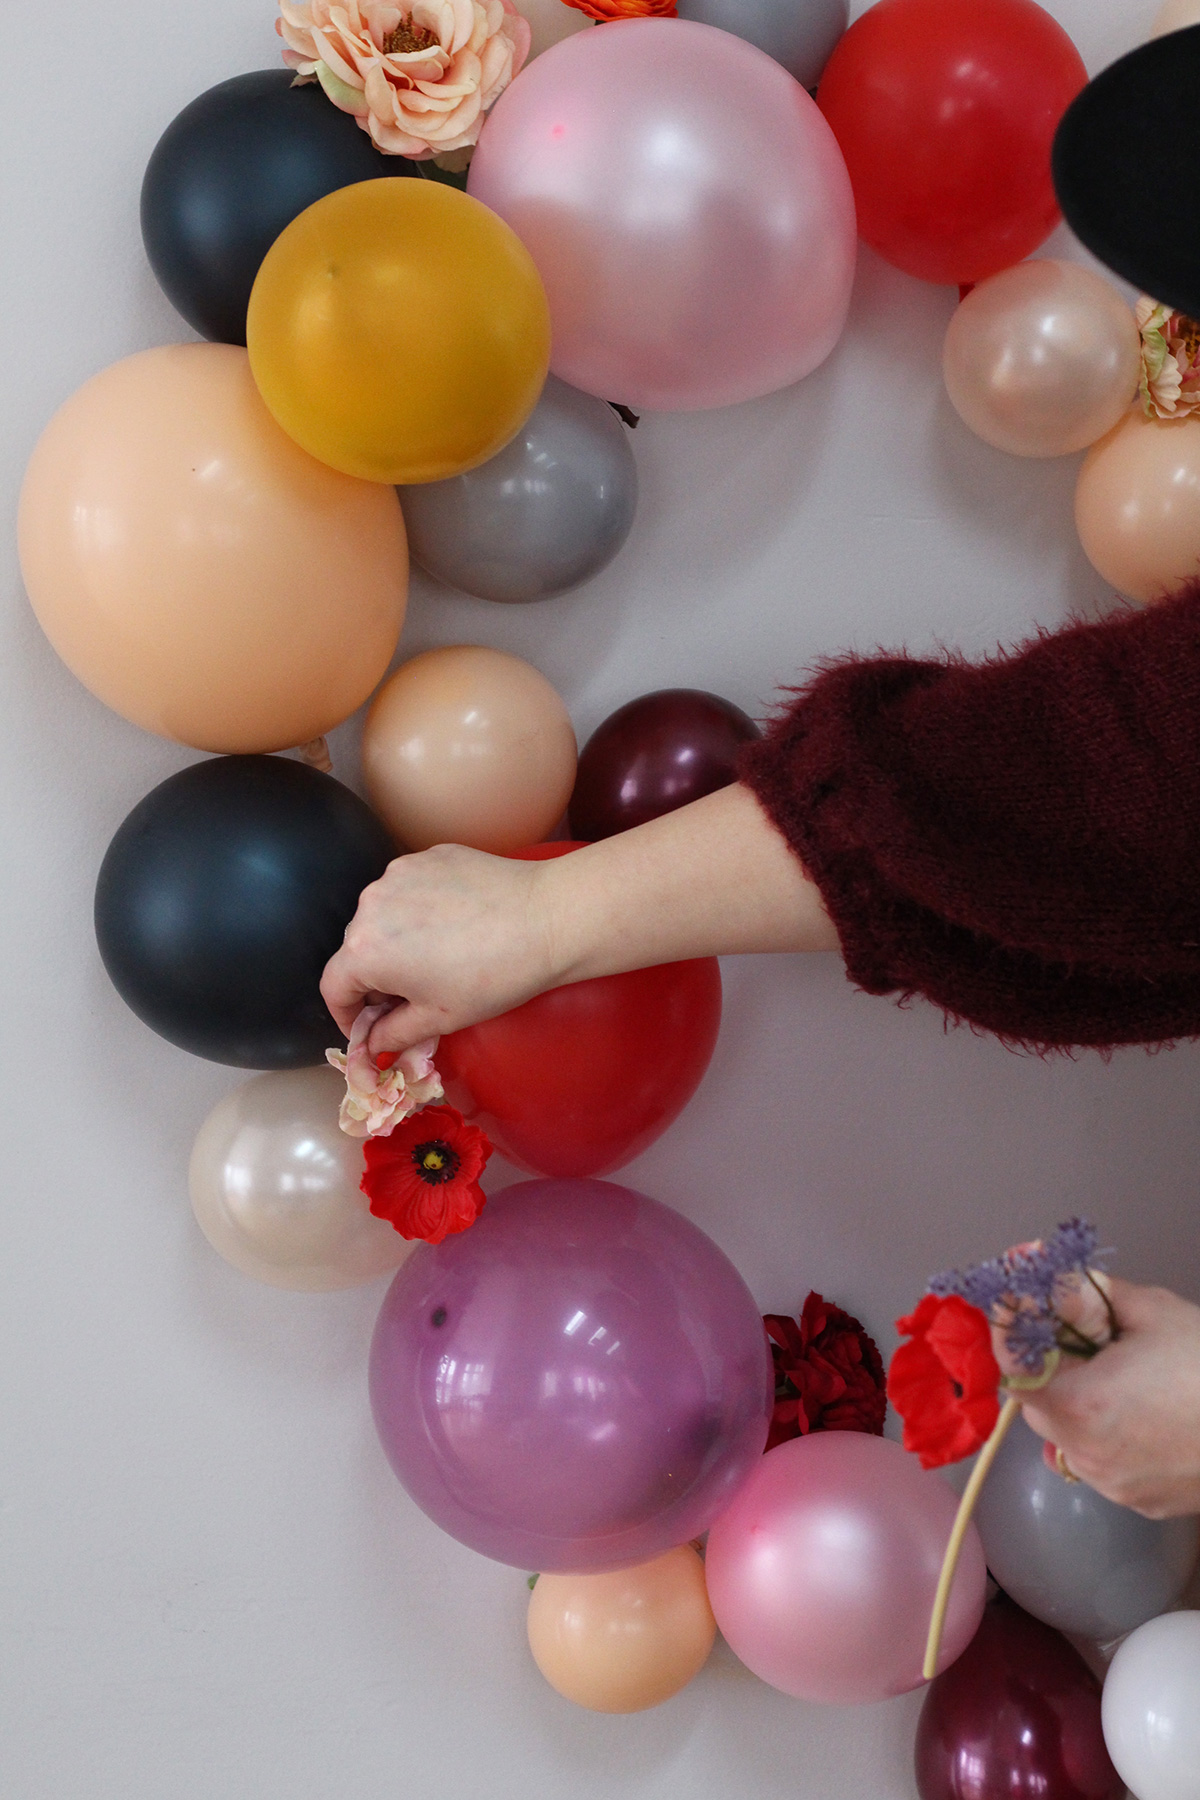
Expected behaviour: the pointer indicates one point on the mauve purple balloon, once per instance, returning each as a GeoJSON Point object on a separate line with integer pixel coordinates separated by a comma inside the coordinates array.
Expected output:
{"type": "Point", "coordinates": [579, 1382]}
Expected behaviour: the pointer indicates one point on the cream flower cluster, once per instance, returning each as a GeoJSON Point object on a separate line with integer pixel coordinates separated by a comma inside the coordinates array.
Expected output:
{"type": "Point", "coordinates": [377, 1100]}
{"type": "Point", "coordinates": [1170, 383]}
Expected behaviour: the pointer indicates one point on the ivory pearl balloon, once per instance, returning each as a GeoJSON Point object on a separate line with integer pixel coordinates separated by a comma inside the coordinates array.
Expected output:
{"type": "Point", "coordinates": [1042, 359]}
{"type": "Point", "coordinates": [625, 1641]}
{"type": "Point", "coordinates": [467, 745]}
{"type": "Point", "coordinates": [1175, 15]}
{"type": "Point", "coordinates": [1137, 505]}
{"type": "Point", "coordinates": [274, 1186]}
{"type": "Point", "coordinates": [197, 571]}
{"type": "Point", "coordinates": [1151, 1709]}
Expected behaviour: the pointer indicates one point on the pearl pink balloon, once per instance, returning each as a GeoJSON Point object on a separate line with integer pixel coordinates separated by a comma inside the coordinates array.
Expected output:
{"type": "Point", "coordinates": [469, 746]}
{"type": "Point", "coordinates": [822, 1573]}
{"type": "Point", "coordinates": [687, 208]}
{"type": "Point", "coordinates": [1175, 15]}
{"type": "Point", "coordinates": [1042, 359]}
{"type": "Point", "coordinates": [625, 1641]}
{"type": "Point", "coordinates": [274, 1186]}
{"type": "Point", "coordinates": [1137, 505]}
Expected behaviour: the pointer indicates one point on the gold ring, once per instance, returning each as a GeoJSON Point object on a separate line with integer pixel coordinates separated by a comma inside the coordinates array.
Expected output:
{"type": "Point", "coordinates": [1062, 1465]}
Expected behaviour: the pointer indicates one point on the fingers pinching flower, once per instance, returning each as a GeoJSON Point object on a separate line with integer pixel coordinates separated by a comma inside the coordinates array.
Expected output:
{"type": "Point", "coordinates": [377, 1100]}
{"type": "Point", "coordinates": [423, 1178]}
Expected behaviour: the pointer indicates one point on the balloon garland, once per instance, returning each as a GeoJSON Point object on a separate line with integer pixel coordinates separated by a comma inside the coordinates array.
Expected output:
{"type": "Point", "coordinates": [247, 595]}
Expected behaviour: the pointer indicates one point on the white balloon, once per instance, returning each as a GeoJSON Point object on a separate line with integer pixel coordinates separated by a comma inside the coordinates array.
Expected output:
{"type": "Point", "coordinates": [1151, 1709]}
{"type": "Point", "coordinates": [274, 1186]}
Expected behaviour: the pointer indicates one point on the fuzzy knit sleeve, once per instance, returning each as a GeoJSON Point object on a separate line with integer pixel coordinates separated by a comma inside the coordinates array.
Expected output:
{"type": "Point", "coordinates": [1019, 841]}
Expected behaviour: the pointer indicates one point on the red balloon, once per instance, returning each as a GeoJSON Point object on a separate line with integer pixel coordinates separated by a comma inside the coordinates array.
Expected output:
{"type": "Point", "coordinates": [945, 111]}
{"type": "Point", "coordinates": [658, 752]}
{"type": "Point", "coordinates": [1017, 1717]}
{"type": "Point", "coordinates": [581, 1080]}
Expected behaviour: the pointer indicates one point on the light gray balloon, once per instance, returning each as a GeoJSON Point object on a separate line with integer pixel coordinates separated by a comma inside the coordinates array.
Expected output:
{"type": "Point", "coordinates": [800, 34]}
{"type": "Point", "coordinates": [549, 512]}
{"type": "Point", "coordinates": [1071, 1558]}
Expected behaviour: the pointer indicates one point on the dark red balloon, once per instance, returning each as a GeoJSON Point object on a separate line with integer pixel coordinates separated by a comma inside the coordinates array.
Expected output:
{"type": "Point", "coordinates": [584, 1078]}
{"type": "Point", "coordinates": [945, 111]}
{"type": "Point", "coordinates": [1017, 1717]}
{"type": "Point", "coordinates": [654, 754]}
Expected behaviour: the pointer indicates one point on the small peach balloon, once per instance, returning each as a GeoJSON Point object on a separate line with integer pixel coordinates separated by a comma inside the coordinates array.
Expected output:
{"type": "Point", "coordinates": [197, 571]}
{"type": "Point", "coordinates": [1042, 359]}
{"type": "Point", "coordinates": [274, 1187]}
{"type": "Point", "coordinates": [1175, 15]}
{"type": "Point", "coordinates": [625, 1641]}
{"type": "Point", "coordinates": [469, 746]}
{"type": "Point", "coordinates": [1137, 505]}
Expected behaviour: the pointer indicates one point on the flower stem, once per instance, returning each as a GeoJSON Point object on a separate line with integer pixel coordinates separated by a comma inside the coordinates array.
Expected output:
{"type": "Point", "coordinates": [966, 1507]}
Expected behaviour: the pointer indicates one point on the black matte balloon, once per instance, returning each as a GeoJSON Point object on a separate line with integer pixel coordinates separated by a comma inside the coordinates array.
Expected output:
{"type": "Point", "coordinates": [1017, 1717]}
{"type": "Point", "coordinates": [222, 897]}
{"type": "Point", "coordinates": [238, 165]}
{"type": "Point", "coordinates": [655, 754]}
{"type": "Point", "coordinates": [1125, 151]}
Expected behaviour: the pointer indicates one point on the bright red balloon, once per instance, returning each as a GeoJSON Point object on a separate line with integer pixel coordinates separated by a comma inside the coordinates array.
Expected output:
{"type": "Point", "coordinates": [945, 111]}
{"type": "Point", "coordinates": [581, 1080]}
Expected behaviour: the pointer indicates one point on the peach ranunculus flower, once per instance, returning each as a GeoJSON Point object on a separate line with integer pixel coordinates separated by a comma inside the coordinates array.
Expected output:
{"type": "Point", "coordinates": [377, 1100]}
{"type": "Point", "coordinates": [419, 78]}
{"type": "Point", "coordinates": [624, 9]}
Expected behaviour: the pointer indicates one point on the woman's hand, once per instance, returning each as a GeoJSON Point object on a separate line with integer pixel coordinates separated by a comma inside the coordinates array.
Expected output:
{"type": "Point", "coordinates": [1128, 1420]}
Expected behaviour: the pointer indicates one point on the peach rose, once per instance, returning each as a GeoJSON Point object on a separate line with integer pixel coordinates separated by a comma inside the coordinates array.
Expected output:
{"type": "Point", "coordinates": [418, 78]}
{"type": "Point", "coordinates": [377, 1100]}
{"type": "Point", "coordinates": [624, 9]}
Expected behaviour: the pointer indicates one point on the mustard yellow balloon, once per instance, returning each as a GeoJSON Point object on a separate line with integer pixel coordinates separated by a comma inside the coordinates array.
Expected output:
{"type": "Point", "coordinates": [399, 331]}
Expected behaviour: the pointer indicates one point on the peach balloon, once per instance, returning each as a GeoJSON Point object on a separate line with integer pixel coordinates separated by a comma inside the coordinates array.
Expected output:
{"type": "Point", "coordinates": [1175, 15]}
{"type": "Point", "coordinates": [468, 746]}
{"type": "Point", "coordinates": [1042, 359]}
{"type": "Point", "coordinates": [1137, 505]}
{"type": "Point", "coordinates": [197, 571]}
{"type": "Point", "coordinates": [625, 1641]}
{"type": "Point", "coordinates": [274, 1187]}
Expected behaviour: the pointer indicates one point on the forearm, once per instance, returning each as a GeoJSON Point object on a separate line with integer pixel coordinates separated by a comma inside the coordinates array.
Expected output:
{"type": "Point", "coordinates": [714, 878]}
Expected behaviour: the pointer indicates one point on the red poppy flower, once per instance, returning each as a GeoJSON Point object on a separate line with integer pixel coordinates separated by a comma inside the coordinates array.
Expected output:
{"type": "Point", "coordinates": [945, 1383]}
{"type": "Point", "coordinates": [423, 1178]}
{"type": "Point", "coordinates": [828, 1374]}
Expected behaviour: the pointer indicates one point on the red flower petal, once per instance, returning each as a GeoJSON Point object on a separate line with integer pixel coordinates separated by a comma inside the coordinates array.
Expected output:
{"type": "Point", "coordinates": [945, 1382]}
{"type": "Point", "coordinates": [828, 1373]}
{"type": "Point", "coordinates": [429, 1206]}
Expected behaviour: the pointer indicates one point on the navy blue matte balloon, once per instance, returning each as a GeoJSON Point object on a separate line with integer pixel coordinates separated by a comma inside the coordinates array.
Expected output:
{"type": "Point", "coordinates": [237, 166]}
{"type": "Point", "coordinates": [222, 897]}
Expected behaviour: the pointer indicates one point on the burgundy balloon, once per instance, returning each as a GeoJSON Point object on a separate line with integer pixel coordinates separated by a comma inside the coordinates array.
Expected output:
{"type": "Point", "coordinates": [654, 754]}
{"type": "Point", "coordinates": [1017, 1717]}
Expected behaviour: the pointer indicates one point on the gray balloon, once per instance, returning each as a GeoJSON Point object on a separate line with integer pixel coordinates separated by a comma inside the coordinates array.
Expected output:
{"type": "Point", "coordinates": [549, 512]}
{"type": "Point", "coordinates": [1071, 1558]}
{"type": "Point", "coordinates": [800, 34]}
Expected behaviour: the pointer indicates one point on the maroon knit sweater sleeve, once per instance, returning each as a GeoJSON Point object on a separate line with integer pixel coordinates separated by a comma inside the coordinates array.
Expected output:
{"type": "Point", "coordinates": [1020, 840]}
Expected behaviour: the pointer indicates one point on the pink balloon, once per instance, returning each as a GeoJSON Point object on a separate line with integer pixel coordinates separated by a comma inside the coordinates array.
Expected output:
{"type": "Point", "coordinates": [822, 1573]}
{"type": "Point", "coordinates": [687, 207]}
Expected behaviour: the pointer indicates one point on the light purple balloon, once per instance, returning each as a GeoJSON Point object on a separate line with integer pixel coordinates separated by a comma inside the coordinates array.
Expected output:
{"type": "Point", "coordinates": [687, 207]}
{"type": "Point", "coordinates": [822, 1574]}
{"type": "Point", "coordinates": [579, 1382]}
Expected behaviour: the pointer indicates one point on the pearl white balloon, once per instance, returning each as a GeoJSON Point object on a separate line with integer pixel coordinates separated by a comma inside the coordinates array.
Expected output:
{"type": "Point", "coordinates": [274, 1186]}
{"type": "Point", "coordinates": [1151, 1709]}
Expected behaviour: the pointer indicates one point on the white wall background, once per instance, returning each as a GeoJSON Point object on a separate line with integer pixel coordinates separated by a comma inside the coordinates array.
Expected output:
{"type": "Point", "coordinates": [213, 1588]}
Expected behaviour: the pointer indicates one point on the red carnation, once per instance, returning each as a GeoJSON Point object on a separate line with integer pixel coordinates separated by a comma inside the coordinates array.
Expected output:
{"type": "Point", "coordinates": [423, 1178]}
{"type": "Point", "coordinates": [945, 1383]}
{"type": "Point", "coordinates": [828, 1374]}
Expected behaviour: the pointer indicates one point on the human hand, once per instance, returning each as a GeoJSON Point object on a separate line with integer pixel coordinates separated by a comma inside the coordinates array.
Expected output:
{"type": "Point", "coordinates": [1127, 1421]}
{"type": "Point", "coordinates": [449, 936]}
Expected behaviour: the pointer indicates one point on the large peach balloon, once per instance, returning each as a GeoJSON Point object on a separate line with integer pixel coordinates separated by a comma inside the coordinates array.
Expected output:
{"type": "Point", "coordinates": [1042, 359]}
{"type": "Point", "coordinates": [1137, 505]}
{"type": "Point", "coordinates": [195, 569]}
{"type": "Point", "coordinates": [399, 331]}
{"type": "Point", "coordinates": [469, 746]}
{"type": "Point", "coordinates": [622, 1642]}
{"type": "Point", "coordinates": [1175, 15]}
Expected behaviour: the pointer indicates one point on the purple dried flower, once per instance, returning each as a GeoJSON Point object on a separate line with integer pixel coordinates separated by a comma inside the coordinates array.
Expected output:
{"type": "Point", "coordinates": [1030, 1338]}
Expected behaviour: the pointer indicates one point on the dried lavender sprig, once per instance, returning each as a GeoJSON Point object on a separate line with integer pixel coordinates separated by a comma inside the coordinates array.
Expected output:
{"type": "Point", "coordinates": [1023, 1284]}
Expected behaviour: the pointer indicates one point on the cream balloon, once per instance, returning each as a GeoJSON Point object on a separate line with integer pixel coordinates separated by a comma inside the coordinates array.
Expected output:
{"type": "Point", "coordinates": [1150, 1708]}
{"type": "Point", "coordinates": [550, 21]}
{"type": "Point", "coordinates": [1175, 15]}
{"type": "Point", "coordinates": [468, 746]}
{"type": "Point", "coordinates": [274, 1186]}
{"type": "Point", "coordinates": [197, 571]}
{"type": "Point", "coordinates": [626, 1641]}
{"type": "Point", "coordinates": [1042, 359]}
{"type": "Point", "coordinates": [1137, 505]}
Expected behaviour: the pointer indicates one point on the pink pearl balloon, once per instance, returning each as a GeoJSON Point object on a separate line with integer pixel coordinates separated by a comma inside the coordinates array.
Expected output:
{"type": "Point", "coordinates": [687, 207]}
{"type": "Point", "coordinates": [822, 1573]}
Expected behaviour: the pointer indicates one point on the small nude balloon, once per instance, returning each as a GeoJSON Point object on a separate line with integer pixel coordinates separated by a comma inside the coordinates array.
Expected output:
{"type": "Point", "coordinates": [1175, 15]}
{"type": "Point", "coordinates": [1137, 505]}
{"type": "Point", "coordinates": [1042, 359]}
{"type": "Point", "coordinates": [197, 571]}
{"type": "Point", "coordinates": [274, 1187]}
{"type": "Point", "coordinates": [467, 745]}
{"type": "Point", "coordinates": [625, 1641]}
